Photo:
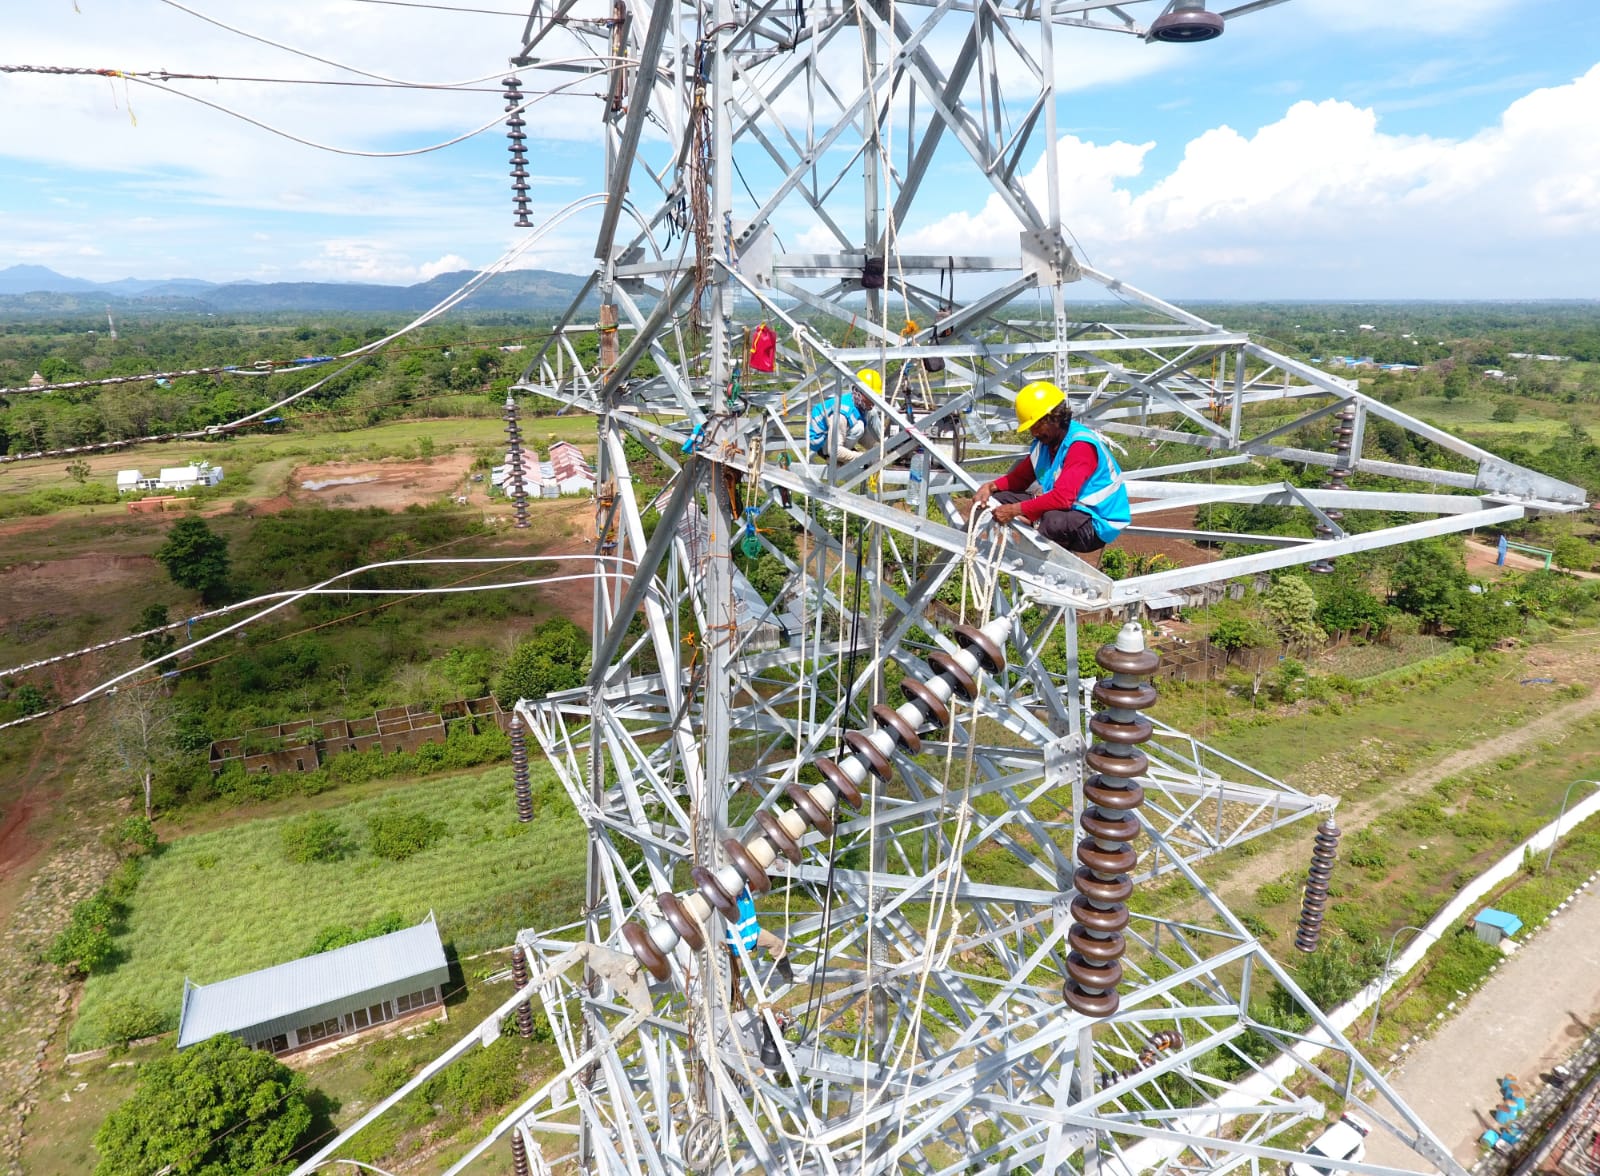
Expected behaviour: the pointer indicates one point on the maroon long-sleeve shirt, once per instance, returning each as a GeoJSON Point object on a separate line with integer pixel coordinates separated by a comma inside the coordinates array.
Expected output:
{"type": "Point", "coordinates": [1075, 470]}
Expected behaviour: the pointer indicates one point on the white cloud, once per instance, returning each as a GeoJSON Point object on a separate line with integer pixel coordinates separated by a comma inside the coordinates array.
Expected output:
{"type": "Point", "coordinates": [449, 263]}
{"type": "Point", "coordinates": [1513, 210]}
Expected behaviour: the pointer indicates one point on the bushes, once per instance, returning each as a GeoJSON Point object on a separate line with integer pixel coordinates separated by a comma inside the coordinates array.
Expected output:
{"type": "Point", "coordinates": [129, 1019]}
{"type": "Point", "coordinates": [84, 945]}
{"type": "Point", "coordinates": [343, 936]}
{"type": "Point", "coordinates": [314, 837]}
{"type": "Point", "coordinates": [394, 836]}
{"type": "Point", "coordinates": [554, 657]}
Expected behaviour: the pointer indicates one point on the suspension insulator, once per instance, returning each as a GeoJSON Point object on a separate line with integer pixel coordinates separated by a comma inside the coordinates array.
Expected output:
{"type": "Point", "coordinates": [1109, 823]}
{"type": "Point", "coordinates": [1314, 905]}
{"type": "Point", "coordinates": [519, 770]}
{"type": "Point", "coordinates": [518, 487]}
{"type": "Point", "coordinates": [816, 806]}
{"type": "Point", "coordinates": [519, 1156]}
{"type": "Point", "coordinates": [519, 978]}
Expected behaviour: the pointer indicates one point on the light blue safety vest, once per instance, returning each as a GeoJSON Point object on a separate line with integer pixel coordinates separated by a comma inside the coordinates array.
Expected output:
{"type": "Point", "coordinates": [1102, 496]}
{"type": "Point", "coordinates": [817, 430]}
{"type": "Point", "coordinates": [748, 929]}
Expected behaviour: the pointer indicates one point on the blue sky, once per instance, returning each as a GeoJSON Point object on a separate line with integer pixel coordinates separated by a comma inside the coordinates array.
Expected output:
{"type": "Point", "coordinates": [1320, 149]}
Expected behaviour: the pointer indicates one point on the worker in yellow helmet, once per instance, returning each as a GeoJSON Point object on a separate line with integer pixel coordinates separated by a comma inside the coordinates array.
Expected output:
{"type": "Point", "coordinates": [1081, 503]}
{"type": "Point", "coordinates": [839, 423]}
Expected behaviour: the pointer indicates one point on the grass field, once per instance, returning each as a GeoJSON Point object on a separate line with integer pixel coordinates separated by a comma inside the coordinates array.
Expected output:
{"type": "Point", "coordinates": [218, 904]}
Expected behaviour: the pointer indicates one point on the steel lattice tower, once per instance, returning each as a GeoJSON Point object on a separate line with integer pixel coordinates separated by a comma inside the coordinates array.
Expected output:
{"type": "Point", "coordinates": [938, 812]}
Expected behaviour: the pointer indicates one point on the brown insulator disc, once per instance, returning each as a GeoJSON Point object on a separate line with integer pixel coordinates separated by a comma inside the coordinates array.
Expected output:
{"type": "Point", "coordinates": [1106, 947]}
{"type": "Point", "coordinates": [815, 815]}
{"type": "Point", "coordinates": [963, 682]}
{"type": "Point", "coordinates": [1104, 891]}
{"type": "Point", "coordinates": [989, 655]}
{"type": "Point", "coordinates": [1107, 861]}
{"type": "Point", "coordinates": [843, 787]}
{"type": "Point", "coordinates": [877, 763]}
{"type": "Point", "coordinates": [895, 723]}
{"type": "Point", "coordinates": [1108, 797]}
{"type": "Point", "coordinates": [705, 881]}
{"type": "Point", "coordinates": [1104, 975]}
{"type": "Point", "coordinates": [1090, 1004]}
{"type": "Point", "coordinates": [1109, 828]}
{"type": "Point", "coordinates": [1104, 919]}
{"type": "Point", "coordinates": [755, 877]}
{"type": "Point", "coordinates": [680, 921]}
{"type": "Point", "coordinates": [1139, 664]}
{"type": "Point", "coordinates": [1119, 767]}
{"type": "Point", "coordinates": [646, 952]}
{"type": "Point", "coordinates": [915, 690]}
{"type": "Point", "coordinates": [1137, 731]}
{"type": "Point", "coordinates": [1108, 693]}
{"type": "Point", "coordinates": [778, 835]}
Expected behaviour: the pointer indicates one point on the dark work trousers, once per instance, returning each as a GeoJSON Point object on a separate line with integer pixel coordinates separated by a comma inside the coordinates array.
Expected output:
{"type": "Point", "coordinates": [1073, 529]}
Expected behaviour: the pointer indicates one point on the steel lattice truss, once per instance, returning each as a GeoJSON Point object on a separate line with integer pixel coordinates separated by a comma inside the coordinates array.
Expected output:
{"type": "Point", "coordinates": [927, 1030]}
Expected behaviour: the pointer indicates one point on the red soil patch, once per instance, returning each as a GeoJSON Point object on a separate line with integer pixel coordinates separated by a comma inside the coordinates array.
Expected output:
{"type": "Point", "coordinates": [1180, 551]}
{"type": "Point", "coordinates": [392, 485]}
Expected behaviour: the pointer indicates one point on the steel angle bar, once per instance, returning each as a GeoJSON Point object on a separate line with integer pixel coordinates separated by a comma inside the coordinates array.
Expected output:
{"type": "Point", "coordinates": [1140, 587]}
{"type": "Point", "coordinates": [1244, 537]}
{"type": "Point", "coordinates": [1086, 589]}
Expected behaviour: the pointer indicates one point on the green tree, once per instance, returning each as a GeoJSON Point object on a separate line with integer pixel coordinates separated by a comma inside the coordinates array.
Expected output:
{"type": "Point", "coordinates": [218, 1108]}
{"type": "Point", "coordinates": [78, 471]}
{"type": "Point", "coordinates": [1455, 383]}
{"type": "Point", "coordinates": [196, 557]}
{"type": "Point", "coordinates": [1237, 631]}
{"type": "Point", "coordinates": [1343, 603]}
{"type": "Point", "coordinates": [1291, 608]}
{"type": "Point", "coordinates": [554, 657]}
{"type": "Point", "coordinates": [1505, 412]}
{"type": "Point", "coordinates": [1429, 578]}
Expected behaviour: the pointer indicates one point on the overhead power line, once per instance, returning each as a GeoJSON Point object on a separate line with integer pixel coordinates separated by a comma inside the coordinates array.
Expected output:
{"type": "Point", "coordinates": [447, 8]}
{"type": "Point", "coordinates": [355, 356]}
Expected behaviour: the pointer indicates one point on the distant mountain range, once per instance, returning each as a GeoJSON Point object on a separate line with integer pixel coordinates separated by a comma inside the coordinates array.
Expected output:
{"type": "Point", "coordinates": [35, 289]}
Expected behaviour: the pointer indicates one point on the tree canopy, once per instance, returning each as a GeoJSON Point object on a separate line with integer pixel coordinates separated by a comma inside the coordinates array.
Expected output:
{"type": "Point", "coordinates": [196, 557]}
{"type": "Point", "coordinates": [554, 657]}
{"type": "Point", "coordinates": [218, 1108]}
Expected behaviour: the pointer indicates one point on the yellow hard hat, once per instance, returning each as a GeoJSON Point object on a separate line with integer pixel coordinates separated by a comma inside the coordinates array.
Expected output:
{"type": "Point", "coordinates": [1034, 401]}
{"type": "Point", "coordinates": [871, 378]}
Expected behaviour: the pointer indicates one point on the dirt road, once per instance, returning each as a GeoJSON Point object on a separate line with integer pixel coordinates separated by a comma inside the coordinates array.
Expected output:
{"type": "Point", "coordinates": [1529, 1016]}
{"type": "Point", "coordinates": [1580, 663]}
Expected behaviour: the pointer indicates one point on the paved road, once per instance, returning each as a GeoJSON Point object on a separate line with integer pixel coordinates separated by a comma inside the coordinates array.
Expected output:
{"type": "Point", "coordinates": [1530, 1015]}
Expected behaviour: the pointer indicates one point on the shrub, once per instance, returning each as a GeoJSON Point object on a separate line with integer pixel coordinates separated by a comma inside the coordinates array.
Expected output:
{"type": "Point", "coordinates": [131, 838]}
{"type": "Point", "coordinates": [128, 1019]}
{"type": "Point", "coordinates": [1272, 893]}
{"type": "Point", "coordinates": [394, 836]}
{"type": "Point", "coordinates": [1573, 553]}
{"type": "Point", "coordinates": [84, 945]}
{"type": "Point", "coordinates": [340, 936]}
{"type": "Point", "coordinates": [314, 837]}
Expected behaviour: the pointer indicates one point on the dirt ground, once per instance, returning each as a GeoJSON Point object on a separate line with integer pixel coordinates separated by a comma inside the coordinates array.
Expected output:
{"type": "Point", "coordinates": [1482, 561]}
{"type": "Point", "coordinates": [1179, 551]}
{"type": "Point", "coordinates": [391, 485]}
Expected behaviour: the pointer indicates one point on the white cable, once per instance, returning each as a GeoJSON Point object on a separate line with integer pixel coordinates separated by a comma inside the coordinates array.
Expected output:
{"type": "Point", "coordinates": [304, 142]}
{"type": "Point", "coordinates": [324, 588]}
{"type": "Point", "coordinates": [448, 303]}
{"type": "Point", "coordinates": [246, 33]}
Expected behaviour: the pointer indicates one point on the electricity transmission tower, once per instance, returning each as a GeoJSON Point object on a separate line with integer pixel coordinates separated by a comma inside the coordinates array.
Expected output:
{"type": "Point", "coordinates": [884, 721]}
